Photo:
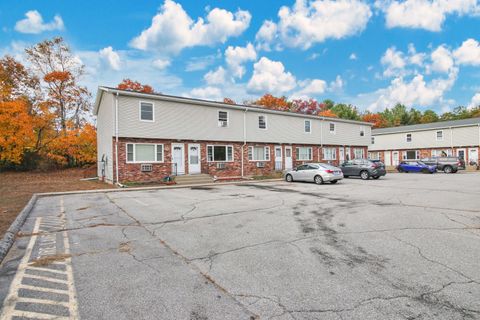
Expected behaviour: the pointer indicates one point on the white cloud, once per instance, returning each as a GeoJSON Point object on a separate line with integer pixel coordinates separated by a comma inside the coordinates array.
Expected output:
{"type": "Point", "coordinates": [414, 57]}
{"type": "Point", "coordinates": [172, 29]}
{"type": "Point", "coordinates": [270, 77]}
{"type": "Point", "coordinates": [33, 23]}
{"type": "Point", "coordinates": [266, 35]}
{"type": "Point", "coordinates": [161, 63]}
{"type": "Point", "coordinates": [424, 14]}
{"type": "Point", "coordinates": [468, 53]}
{"type": "Point", "coordinates": [442, 60]}
{"type": "Point", "coordinates": [415, 92]}
{"type": "Point", "coordinates": [111, 57]}
{"type": "Point", "coordinates": [394, 62]}
{"type": "Point", "coordinates": [201, 63]}
{"type": "Point", "coordinates": [336, 84]}
{"type": "Point", "coordinates": [310, 88]}
{"type": "Point", "coordinates": [310, 22]}
{"type": "Point", "coordinates": [216, 77]}
{"type": "Point", "coordinates": [353, 56]}
{"type": "Point", "coordinates": [236, 56]}
{"type": "Point", "coordinates": [206, 93]}
{"type": "Point", "coordinates": [475, 102]}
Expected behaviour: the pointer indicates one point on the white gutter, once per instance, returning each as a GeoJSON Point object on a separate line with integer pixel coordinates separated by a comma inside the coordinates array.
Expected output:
{"type": "Point", "coordinates": [116, 141]}
{"type": "Point", "coordinates": [451, 139]}
{"type": "Point", "coordinates": [244, 137]}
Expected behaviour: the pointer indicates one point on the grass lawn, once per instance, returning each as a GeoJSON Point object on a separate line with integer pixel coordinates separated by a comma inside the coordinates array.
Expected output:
{"type": "Point", "coordinates": [16, 189]}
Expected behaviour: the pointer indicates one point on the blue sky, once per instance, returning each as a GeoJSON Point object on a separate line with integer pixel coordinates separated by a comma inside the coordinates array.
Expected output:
{"type": "Point", "coordinates": [422, 53]}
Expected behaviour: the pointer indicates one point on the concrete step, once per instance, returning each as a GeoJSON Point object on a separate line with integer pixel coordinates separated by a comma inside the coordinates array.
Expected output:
{"type": "Point", "coordinates": [193, 179]}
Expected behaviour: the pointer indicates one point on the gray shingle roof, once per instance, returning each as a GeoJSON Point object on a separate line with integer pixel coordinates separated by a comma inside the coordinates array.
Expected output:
{"type": "Point", "coordinates": [428, 126]}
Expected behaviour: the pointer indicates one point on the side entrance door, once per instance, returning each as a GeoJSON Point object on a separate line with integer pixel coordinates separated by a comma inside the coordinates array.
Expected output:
{"type": "Point", "coordinates": [194, 159]}
{"type": "Point", "coordinates": [347, 153]}
{"type": "Point", "coordinates": [178, 158]}
{"type": "Point", "coordinates": [278, 158]}
{"type": "Point", "coordinates": [388, 158]}
{"type": "Point", "coordinates": [341, 155]}
{"type": "Point", "coordinates": [461, 153]}
{"type": "Point", "coordinates": [288, 158]}
{"type": "Point", "coordinates": [395, 158]}
{"type": "Point", "coordinates": [473, 155]}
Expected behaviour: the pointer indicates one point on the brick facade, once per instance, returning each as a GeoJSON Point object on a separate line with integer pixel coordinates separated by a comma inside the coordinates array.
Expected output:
{"type": "Point", "coordinates": [131, 172]}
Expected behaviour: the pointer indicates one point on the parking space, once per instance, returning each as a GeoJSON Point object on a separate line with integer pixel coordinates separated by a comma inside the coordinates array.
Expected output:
{"type": "Point", "coordinates": [406, 246]}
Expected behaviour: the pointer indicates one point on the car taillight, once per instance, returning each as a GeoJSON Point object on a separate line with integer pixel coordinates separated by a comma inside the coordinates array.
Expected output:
{"type": "Point", "coordinates": [329, 171]}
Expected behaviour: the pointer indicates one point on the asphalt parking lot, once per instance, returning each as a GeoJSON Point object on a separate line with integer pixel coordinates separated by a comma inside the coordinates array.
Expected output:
{"type": "Point", "coordinates": [403, 247]}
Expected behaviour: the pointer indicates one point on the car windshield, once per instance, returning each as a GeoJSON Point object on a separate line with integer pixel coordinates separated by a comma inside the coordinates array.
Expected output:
{"type": "Point", "coordinates": [421, 163]}
{"type": "Point", "coordinates": [327, 167]}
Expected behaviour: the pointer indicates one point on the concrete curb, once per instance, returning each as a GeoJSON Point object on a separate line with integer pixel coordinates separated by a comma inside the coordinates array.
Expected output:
{"type": "Point", "coordinates": [9, 237]}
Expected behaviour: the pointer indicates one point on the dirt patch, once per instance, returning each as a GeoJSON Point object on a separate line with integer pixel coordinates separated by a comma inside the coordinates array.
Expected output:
{"type": "Point", "coordinates": [16, 189]}
{"type": "Point", "coordinates": [45, 261]}
{"type": "Point", "coordinates": [124, 247]}
{"type": "Point", "coordinates": [83, 208]}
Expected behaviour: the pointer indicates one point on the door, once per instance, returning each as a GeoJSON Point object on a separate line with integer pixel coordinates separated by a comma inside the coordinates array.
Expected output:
{"type": "Point", "coordinates": [347, 153]}
{"type": "Point", "coordinates": [473, 155]}
{"type": "Point", "coordinates": [395, 158]}
{"type": "Point", "coordinates": [388, 158]}
{"type": "Point", "coordinates": [341, 155]}
{"type": "Point", "coordinates": [347, 168]}
{"type": "Point", "coordinates": [461, 154]}
{"type": "Point", "coordinates": [278, 158]}
{"type": "Point", "coordinates": [300, 173]}
{"type": "Point", "coordinates": [178, 161]}
{"type": "Point", "coordinates": [288, 158]}
{"type": "Point", "coordinates": [194, 159]}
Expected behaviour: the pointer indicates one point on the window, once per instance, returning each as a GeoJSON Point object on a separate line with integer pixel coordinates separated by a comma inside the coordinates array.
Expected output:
{"type": "Point", "coordinates": [409, 137]}
{"type": "Point", "coordinates": [373, 140]}
{"type": "Point", "coordinates": [374, 155]}
{"type": "Point", "coordinates": [442, 153]}
{"type": "Point", "coordinates": [440, 135]}
{"type": "Point", "coordinates": [332, 127]}
{"type": "Point", "coordinates": [258, 153]}
{"type": "Point", "coordinates": [262, 122]}
{"type": "Point", "coordinates": [308, 126]}
{"type": "Point", "coordinates": [146, 111]}
{"type": "Point", "coordinates": [304, 153]}
{"type": "Point", "coordinates": [220, 153]}
{"type": "Point", "coordinates": [359, 153]}
{"type": "Point", "coordinates": [362, 131]}
{"type": "Point", "coordinates": [223, 119]}
{"type": "Point", "coordinates": [411, 155]}
{"type": "Point", "coordinates": [329, 154]}
{"type": "Point", "coordinates": [144, 152]}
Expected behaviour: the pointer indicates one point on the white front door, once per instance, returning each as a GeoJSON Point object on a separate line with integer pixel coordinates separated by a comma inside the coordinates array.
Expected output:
{"type": "Point", "coordinates": [388, 158]}
{"type": "Point", "coordinates": [473, 155]}
{"type": "Point", "coordinates": [396, 158]}
{"type": "Point", "coordinates": [341, 155]}
{"type": "Point", "coordinates": [288, 158]}
{"type": "Point", "coordinates": [461, 153]}
{"type": "Point", "coordinates": [347, 153]}
{"type": "Point", "coordinates": [194, 159]}
{"type": "Point", "coordinates": [178, 158]}
{"type": "Point", "coordinates": [278, 158]}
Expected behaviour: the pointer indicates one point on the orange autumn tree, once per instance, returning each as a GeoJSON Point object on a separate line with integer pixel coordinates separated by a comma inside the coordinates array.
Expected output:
{"type": "Point", "coordinates": [276, 103]}
{"type": "Point", "coordinates": [128, 84]}
{"type": "Point", "coordinates": [327, 113]}
{"type": "Point", "coordinates": [377, 119]}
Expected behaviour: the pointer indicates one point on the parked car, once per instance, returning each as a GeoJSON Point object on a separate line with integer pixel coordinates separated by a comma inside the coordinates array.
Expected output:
{"type": "Point", "coordinates": [363, 168]}
{"type": "Point", "coordinates": [416, 166]}
{"type": "Point", "coordinates": [315, 172]}
{"type": "Point", "coordinates": [446, 164]}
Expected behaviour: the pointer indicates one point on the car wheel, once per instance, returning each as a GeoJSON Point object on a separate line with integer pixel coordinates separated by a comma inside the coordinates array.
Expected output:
{"type": "Point", "coordinates": [454, 171]}
{"type": "Point", "coordinates": [333, 181]}
{"type": "Point", "coordinates": [400, 169]}
{"type": "Point", "coordinates": [364, 175]}
{"type": "Point", "coordinates": [345, 176]}
{"type": "Point", "coordinates": [448, 169]}
{"type": "Point", "coordinates": [289, 178]}
{"type": "Point", "coordinates": [376, 177]}
{"type": "Point", "coordinates": [318, 179]}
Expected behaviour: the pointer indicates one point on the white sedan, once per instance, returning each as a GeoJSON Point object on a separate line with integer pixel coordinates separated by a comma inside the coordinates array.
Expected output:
{"type": "Point", "coordinates": [315, 172]}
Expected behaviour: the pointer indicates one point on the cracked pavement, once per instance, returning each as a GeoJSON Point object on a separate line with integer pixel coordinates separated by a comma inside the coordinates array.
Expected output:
{"type": "Point", "coordinates": [403, 247]}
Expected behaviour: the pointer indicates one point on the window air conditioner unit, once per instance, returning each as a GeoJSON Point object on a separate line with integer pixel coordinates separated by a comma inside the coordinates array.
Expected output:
{"type": "Point", "coordinates": [146, 167]}
{"type": "Point", "coordinates": [260, 164]}
{"type": "Point", "coordinates": [222, 123]}
{"type": "Point", "coordinates": [220, 165]}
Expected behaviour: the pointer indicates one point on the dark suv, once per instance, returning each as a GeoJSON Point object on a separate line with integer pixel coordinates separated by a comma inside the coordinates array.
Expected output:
{"type": "Point", "coordinates": [446, 164]}
{"type": "Point", "coordinates": [363, 168]}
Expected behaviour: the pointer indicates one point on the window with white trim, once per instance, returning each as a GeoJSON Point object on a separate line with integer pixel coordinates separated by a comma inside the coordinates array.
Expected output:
{"type": "Point", "coordinates": [308, 126]}
{"type": "Point", "coordinates": [146, 111]}
{"type": "Point", "coordinates": [373, 140]}
{"type": "Point", "coordinates": [411, 155]}
{"type": "Point", "coordinates": [219, 153]}
{"type": "Point", "coordinates": [144, 152]}
{"type": "Point", "coordinates": [408, 137]}
{"type": "Point", "coordinates": [262, 122]}
{"type": "Point", "coordinates": [304, 153]}
{"type": "Point", "coordinates": [329, 153]}
{"type": "Point", "coordinates": [223, 119]}
{"type": "Point", "coordinates": [442, 153]}
{"type": "Point", "coordinates": [332, 127]}
{"type": "Point", "coordinates": [258, 153]}
{"type": "Point", "coordinates": [359, 153]}
{"type": "Point", "coordinates": [374, 155]}
{"type": "Point", "coordinates": [362, 131]}
{"type": "Point", "coordinates": [439, 135]}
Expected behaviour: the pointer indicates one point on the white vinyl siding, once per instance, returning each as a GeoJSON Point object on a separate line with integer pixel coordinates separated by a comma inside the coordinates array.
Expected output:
{"type": "Point", "coordinates": [219, 153]}
{"type": "Point", "coordinates": [307, 126]}
{"type": "Point", "coordinates": [262, 122]}
{"type": "Point", "coordinates": [329, 154]}
{"type": "Point", "coordinates": [146, 112]}
{"type": "Point", "coordinates": [304, 153]}
{"type": "Point", "coordinates": [144, 152]}
{"type": "Point", "coordinates": [223, 119]}
{"type": "Point", "coordinates": [259, 153]}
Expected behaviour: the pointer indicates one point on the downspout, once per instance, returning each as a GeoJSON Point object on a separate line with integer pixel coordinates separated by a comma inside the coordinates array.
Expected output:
{"type": "Point", "coordinates": [244, 138]}
{"type": "Point", "coordinates": [451, 140]}
{"type": "Point", "coordinates": [117, 182]}
{"type": "Point", "coordinates": [320, 152]}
